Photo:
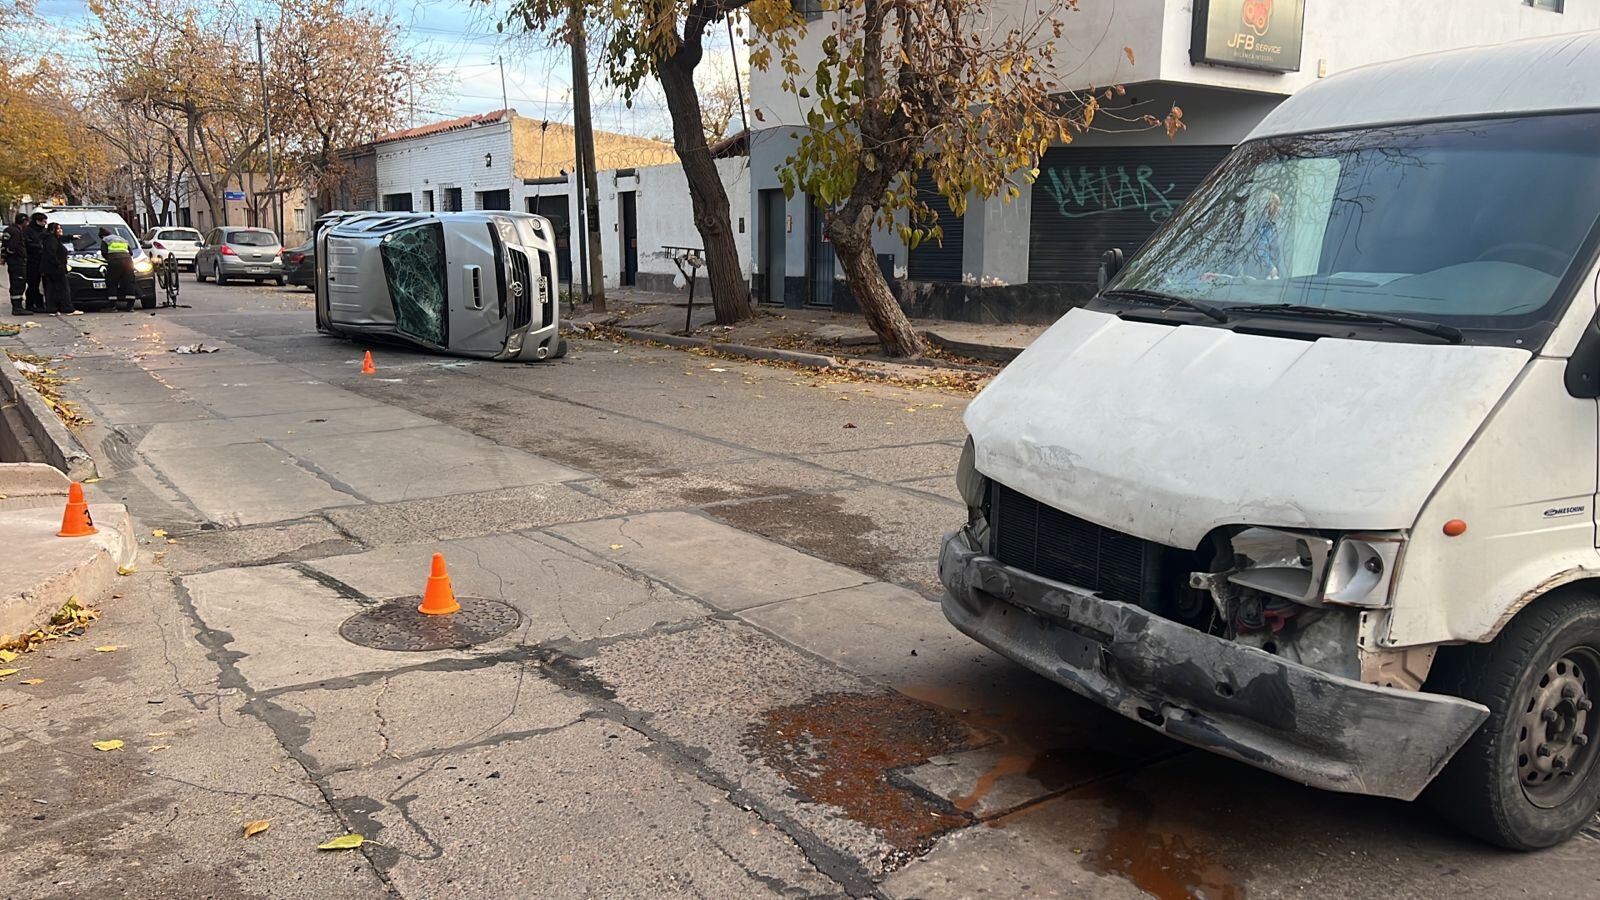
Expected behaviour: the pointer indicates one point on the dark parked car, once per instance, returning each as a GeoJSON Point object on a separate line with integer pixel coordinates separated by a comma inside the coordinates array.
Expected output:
{"type": "Point", "coordinates": [300, 264]}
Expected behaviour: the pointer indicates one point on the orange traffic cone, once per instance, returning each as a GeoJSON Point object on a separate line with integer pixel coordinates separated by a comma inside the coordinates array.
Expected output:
{"type": "Point", "coordinates": [438, 599]}
{"type": "Point", "coordinates": [76, 522]}
{"type": "Point", "coordinates": [366, 364]}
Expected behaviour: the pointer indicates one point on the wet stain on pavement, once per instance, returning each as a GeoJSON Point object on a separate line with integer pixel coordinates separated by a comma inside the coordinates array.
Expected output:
{"type": "Point", "coordinates": [842, 750]}
{"type": "Point", "coordinates": [817, 524]}
{"type": "Point", "coordinates": [1166, 858]}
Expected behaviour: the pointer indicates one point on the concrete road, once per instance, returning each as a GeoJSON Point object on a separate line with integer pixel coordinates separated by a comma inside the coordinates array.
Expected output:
{"type": "Point", "coordinates": [727, 675]}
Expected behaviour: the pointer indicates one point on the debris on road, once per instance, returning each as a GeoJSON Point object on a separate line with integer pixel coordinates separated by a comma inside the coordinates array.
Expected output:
{"type": "Point", "coordinates": [193, 348]}
{"type": "Point", "coordinates": [255, 827]}
{"type": "Point", "coordinates": [108, 746]}
{"type": "Point", "coordinates": [343, 842]}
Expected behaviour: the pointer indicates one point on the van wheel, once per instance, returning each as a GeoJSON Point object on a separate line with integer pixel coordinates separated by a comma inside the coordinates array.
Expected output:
{"type": "Point", "coordinates": [561, 349]}
{"type": "Point", "coordinates": [1527, 779]}
{"type": "Point", "coordinates": [125, 306]}
{"type": "Point", "coordinates": [146, 302]}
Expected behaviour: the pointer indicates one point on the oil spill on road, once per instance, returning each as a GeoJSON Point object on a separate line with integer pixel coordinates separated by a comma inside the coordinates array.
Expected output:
{"type": "Point", "coordinates": [1163, 856]}
{"type": "Point", "coordinates": [820, 525]}
{"type": "Point", "coordinates": [841, 749]}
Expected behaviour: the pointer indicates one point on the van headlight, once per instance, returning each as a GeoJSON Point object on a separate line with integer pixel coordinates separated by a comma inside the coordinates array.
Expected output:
{"type": "Point", "coordinates": [143, 265]}
{"type": "Point", "coordinates": [969, 481]}
{"type": "Point", "coordinates": [1351, 570]}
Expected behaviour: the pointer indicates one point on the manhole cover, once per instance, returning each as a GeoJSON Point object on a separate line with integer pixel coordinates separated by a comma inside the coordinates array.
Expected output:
{"type": "Point", "coordinates": [396, 625]}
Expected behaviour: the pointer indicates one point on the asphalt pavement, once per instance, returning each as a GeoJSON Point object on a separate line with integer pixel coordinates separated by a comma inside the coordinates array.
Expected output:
{"type": "Point", "coordinates": [725, 675]}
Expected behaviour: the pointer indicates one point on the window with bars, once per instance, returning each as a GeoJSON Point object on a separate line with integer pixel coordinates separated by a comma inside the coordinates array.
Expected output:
{"type": "Point", "coordinates": [1551, 5]}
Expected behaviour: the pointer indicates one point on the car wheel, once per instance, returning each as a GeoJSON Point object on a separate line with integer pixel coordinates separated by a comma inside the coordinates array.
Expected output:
{"type": "Point", "coordinates": [198, 274]}
{"type": "Point", "coordinates": [282, 281]}
{"type": "Point", "coordinates": [216, 272]}
{"type": "Point", "coordinates": [1527, 779]}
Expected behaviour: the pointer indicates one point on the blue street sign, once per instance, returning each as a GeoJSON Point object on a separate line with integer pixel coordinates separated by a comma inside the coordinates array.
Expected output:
{"type": "Point", "coordinates": [233, 195]}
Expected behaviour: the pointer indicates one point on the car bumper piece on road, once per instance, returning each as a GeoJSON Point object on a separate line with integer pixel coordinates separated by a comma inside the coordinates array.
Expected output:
{"type": "Point", "coordinates": [1319, 729]}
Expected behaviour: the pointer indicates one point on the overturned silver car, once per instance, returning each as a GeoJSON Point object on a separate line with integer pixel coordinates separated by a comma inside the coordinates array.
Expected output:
{"type": "Point", "coordinates": [478, 284]}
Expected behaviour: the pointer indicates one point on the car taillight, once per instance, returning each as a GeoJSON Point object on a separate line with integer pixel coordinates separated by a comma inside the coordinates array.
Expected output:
{"type": "Point", "coordinates": [225, 250]}
{"type": "Point", "coordinates": [160, 246]}
{"type": "Point", "coordinates": [297, 258]}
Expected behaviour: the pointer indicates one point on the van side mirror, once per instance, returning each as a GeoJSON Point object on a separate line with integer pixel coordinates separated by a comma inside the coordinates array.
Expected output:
{"type": "Point", "coordinates": [1110, 264]}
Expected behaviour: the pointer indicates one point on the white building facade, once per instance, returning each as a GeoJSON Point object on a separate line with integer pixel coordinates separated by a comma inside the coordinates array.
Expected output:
{"type": "Point", "coordinates": [1225, 63]}
{"type": "Point", "coordinates": [499, 160]}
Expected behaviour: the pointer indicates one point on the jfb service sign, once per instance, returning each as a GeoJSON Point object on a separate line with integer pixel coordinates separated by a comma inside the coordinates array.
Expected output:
{"type": "Point", "coordinates": [1250, 34]}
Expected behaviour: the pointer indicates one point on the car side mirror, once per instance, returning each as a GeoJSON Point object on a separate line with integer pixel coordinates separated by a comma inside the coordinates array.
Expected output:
{"type": "Point", "coordinates": [145, 244]}
{"type": "Point", "coordinates": [1110, 264]}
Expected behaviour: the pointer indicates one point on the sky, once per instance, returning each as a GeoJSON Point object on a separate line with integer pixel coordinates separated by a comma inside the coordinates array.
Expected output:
{"type": "Point", "coordinates": [460, 38]}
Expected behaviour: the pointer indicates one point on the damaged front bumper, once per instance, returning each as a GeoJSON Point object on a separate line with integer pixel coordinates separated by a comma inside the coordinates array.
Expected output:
{"type": "Point", "coordinates": [1319, 729]}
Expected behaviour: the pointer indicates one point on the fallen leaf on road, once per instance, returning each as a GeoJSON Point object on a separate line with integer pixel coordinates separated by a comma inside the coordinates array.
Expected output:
{"type": "Point", "coordinates": [7, 655]}
{"type": "Point", "coordinates": [256, 827]}
{"type": "Point", "coordinates": [343, 842]}
{"type": "Point", "coordinates": [91, 481]}
{"type": "Point", "coordinates": [5, 672]}
{"type": "Point", "coordinates": [172, 540]}
{"type": "Point", "coordinates": [159, 733]}
{"type": "Point", "coordinates": [158, 532]}
{"type": "Point", "coordinates": [616, 546]}
{"type": "Point", "coordinates": [849, 424]}
{"type": "Point", "coordinates": [107, 648]}
{"type": "Point", "coordinates": [158, 748]}
{"type": "Point", "coordinates": [105, 746]}
{"type": "Point", "coordinates": [126, 570]}
{"type": "Point", "coordinates": [31, 681]}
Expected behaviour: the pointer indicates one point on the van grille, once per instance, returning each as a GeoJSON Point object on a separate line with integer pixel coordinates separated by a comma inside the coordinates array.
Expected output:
{"type": "Point", "coordinates": [521, 301]}
{"type": "Point", "coordinates": [1047, 542]}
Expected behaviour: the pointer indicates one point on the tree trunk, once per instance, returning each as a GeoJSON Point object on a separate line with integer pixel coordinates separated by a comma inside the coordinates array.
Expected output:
{"type": "Point", "coordinates": [730, 293]}
{"type": "Point", "coordinates": [850, 231]}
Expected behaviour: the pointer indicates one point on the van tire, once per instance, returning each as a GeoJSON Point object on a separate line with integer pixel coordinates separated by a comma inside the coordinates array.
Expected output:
{"type": "Point", "coordinates": [1554, 643]}
{"type": "Point", "coordinates": [561, 349]}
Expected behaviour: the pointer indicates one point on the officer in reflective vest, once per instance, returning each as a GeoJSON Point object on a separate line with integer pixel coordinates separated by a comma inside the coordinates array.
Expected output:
{"type": "Point", "coordinates": [118, 254]}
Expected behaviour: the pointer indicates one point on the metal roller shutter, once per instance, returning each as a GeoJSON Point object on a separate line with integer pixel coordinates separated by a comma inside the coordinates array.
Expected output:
{"type": "Point", "coordinates": [1088, 200]}
{"type": "Point", "coordinates": [934, 261]}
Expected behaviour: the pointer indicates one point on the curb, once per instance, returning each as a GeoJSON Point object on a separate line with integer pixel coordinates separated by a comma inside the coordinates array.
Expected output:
{"type": "Point", "coordinates": [60, 447]}
{"type": "Point", "coordinates": [989, 352]}
{"type": "Point", "coordinates": [767, 353]}
{"type": "Point", "coordinates": [59, 568]}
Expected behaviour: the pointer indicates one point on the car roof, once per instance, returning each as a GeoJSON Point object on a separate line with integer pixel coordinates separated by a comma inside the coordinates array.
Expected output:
{"type": "Point", "coordinates": [69, 215]}
{"type": "Point", "coordinates": [1538, 75]}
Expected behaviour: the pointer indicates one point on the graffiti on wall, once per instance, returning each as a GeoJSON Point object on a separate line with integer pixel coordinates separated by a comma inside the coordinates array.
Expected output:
{"type": "Point", "coordinates": [1083, 191]}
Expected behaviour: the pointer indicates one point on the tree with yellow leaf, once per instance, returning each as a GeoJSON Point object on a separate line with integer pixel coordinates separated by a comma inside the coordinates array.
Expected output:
{"type": "Point", "coordinates": [949, 89]}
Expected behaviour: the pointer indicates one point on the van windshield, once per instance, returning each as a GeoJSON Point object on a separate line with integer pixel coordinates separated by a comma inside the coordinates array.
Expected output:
{"type": "Point", "coordinates": [414, 269]}
{"type": "Point", "coordinates": [1469, 223]}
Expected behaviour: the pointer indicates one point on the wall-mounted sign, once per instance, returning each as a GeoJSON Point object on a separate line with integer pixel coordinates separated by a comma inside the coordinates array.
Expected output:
{"type": "Point", "coordinates": [1249, 34]}
{"type": "Point", "coordinates": [233, 195]}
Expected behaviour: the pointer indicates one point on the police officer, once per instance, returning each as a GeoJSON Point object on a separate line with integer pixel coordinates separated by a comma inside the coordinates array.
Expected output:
{"type": "Point", "coordinates": [13, 249]}
{"type": "Point", "coordinates": [118, 254]}
{"type": "Point", "coordinates": [57, 292]}
{"type": "Point", "coordinates": [33, 251]}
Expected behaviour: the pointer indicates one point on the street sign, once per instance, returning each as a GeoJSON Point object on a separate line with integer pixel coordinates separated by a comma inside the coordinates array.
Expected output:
{"type": "Point", "coordinates": [233, 195]}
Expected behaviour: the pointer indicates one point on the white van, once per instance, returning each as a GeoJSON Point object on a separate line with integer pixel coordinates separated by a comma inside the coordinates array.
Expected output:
{"type": "Point", "coordinates": [476, 284]}
{"type": "Point", "coordinates": [1311, 483]}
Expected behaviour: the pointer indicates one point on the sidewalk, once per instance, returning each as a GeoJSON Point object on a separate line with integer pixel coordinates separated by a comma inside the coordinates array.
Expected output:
{"type": "Point", "coordinates": [814, 331]}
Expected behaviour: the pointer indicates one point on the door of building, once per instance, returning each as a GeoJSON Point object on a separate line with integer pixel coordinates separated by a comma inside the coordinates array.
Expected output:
{"type": "Point", "coordinates": [494, 200]}
{"type": "Point", "coordinates": [819, 258]}
{"type": "Point", "coordinates": [554, 208]}
{"type": "Point", "coordinates": [774, 235]}
{"type": "Point", "coordinates": [630, 238]}
{"type": "Point", "coordinates": [452, 199]}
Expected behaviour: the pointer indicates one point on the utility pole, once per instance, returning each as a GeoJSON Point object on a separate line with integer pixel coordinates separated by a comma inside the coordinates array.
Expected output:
{"type": "Point", "coordinates": [501, 63]}
{"type": "Point", "coordinates": [266, 122]}
{"type": "Point", "coordinates": [583, 127]}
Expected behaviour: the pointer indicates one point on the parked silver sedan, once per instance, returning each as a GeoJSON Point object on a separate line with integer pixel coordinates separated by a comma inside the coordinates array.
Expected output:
{"type": "Point", "coordinates": [233, 254]}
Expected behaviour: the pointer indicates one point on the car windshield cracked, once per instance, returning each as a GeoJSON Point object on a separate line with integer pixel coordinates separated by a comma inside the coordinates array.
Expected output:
{"type": "Point", "coordinates": [414, 266]}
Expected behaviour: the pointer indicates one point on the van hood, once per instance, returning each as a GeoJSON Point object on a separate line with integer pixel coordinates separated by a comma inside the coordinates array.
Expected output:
{"type": "Point", "coordinates": [1169, 432]}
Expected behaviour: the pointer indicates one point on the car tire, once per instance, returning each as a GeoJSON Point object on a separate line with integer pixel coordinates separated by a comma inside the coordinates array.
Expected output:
{"type": "Point", "coordinates": [216, 272]}
{"type": "Point", "coordinates": [561, 349]}
{"type": "Point", "coordinates": [199, 275]}
{"type": "Point", "coordinates": [282, 281]}
{"type": "Point", "coordinates": [1528, 778]}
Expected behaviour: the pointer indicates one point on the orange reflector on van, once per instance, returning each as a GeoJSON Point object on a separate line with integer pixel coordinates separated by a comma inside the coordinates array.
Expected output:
{"type": "Point", "coordinates": [1455, 528]}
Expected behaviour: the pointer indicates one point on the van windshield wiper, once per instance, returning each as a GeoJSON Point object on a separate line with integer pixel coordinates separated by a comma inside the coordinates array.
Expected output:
{"type": "Point", "coordinates": [1437, 329]}
{"type": "Point", "coordinates": [1143, 296]}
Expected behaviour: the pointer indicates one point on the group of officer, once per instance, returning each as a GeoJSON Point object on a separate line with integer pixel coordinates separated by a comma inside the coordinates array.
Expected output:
{"type": "Point", "coordinates": [35, 253]}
